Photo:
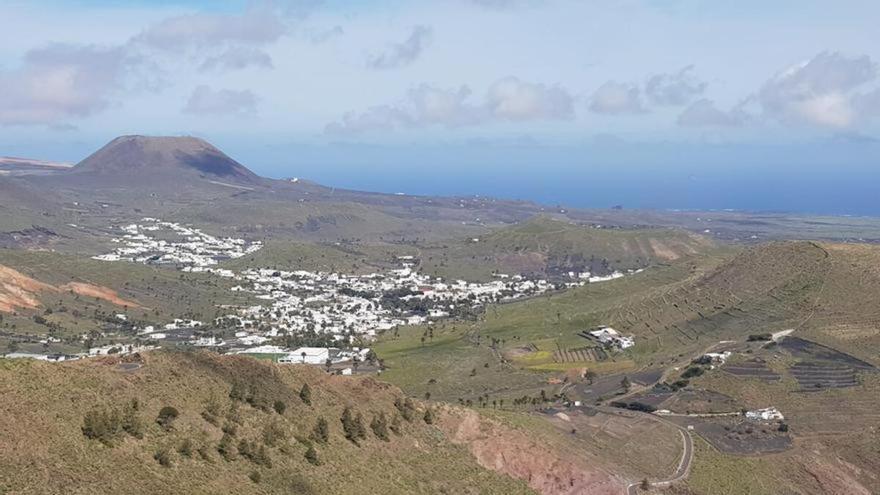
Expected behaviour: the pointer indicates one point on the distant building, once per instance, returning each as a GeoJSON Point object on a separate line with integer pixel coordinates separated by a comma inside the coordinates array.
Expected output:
{"type": "Point", "coordinates": [611, 337]}
{"type": "Point", "coordinates": [767, 414]}
{"type": "Point", "coordinates": [307, 355]}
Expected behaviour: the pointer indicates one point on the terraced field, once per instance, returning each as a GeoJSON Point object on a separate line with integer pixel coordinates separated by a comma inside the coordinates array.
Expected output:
{"type": "Point", "coordinates": [579, 355]}
{"type": "Point", "coordinates": [753, 368]}
{"type": "Point", "coordinates": [814, 376]}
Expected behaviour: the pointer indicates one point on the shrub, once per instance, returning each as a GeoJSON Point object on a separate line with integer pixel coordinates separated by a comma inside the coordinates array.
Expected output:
{"type": "Point", "coordinates": [273, 433]}
{"type": "Point", "coordinates": [395, 425]}
{"type": "Point", "coordinates": [353, 426]}
{"type": "Point", "coordinates": [406, 408]}
{"type": "Point", "coordinates": [305, 394]}
{"type": "Point", "coordinates": [255, 476]}
{"type": "Point", "coordinates": [312, 456]}
{"type": "Point", "coordinates": [321, 431]}
{"type": "Point", "coordinates": [280, 406]}
{"type": "Point", "coordinates": [692, 372]}
{"type": "Point", "coordinates": [131, 421]}
{"type": "Point", "coordinates": [163, 456]}
{"type": "Point", "coordinates": [166, 417]}
{"type": "Point", "coordinates": [230, 429]}
{"type": "Point", "coordinates": [186, 448]}
{"type": "Point", "coordinates": [379, 425]}
{"type": "Point", "coordinates": [226, 448]}
{"type": "Point", "coordinates": [429, 416]}
{"type": "Point", "coordinates": [103, 425]}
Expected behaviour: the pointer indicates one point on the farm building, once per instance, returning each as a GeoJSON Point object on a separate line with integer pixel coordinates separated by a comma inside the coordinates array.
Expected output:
{"type": "Point", "coordinates": [767, 414]}
{"type": "Point", "coordinates": [611, 337]}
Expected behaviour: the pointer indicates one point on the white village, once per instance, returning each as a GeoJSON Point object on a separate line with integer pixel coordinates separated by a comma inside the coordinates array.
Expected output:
{"type": "Point", "coordinates": [343, 312]}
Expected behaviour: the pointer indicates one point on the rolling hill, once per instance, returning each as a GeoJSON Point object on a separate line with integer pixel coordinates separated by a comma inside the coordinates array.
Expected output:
{"type": "Point", "coordinates": [167, 422]}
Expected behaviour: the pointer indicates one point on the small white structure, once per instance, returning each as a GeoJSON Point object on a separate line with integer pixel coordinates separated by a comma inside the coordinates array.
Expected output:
{"type": "Point", "coordinates": [717, 357]}
{"type": "Point", "coordinates": [767, 414]}
{"type": "Point", "coordinates": [611, 337]}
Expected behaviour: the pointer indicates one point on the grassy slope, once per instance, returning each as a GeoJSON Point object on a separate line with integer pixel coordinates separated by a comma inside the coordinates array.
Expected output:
{"type": "Point", "coordinates": [44, 406]}
{"type": "Point", "coordinates": [543, 245]}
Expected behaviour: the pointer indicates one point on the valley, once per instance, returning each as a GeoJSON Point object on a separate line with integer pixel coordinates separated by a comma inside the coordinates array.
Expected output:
{"type": "Point", "coordinates": [629, 353]}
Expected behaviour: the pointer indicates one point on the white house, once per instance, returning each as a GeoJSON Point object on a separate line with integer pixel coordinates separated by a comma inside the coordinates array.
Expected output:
{"type": "Point", "coordinates": [767, 414]}
{"type": "Point", "coordinates": [610, 336]}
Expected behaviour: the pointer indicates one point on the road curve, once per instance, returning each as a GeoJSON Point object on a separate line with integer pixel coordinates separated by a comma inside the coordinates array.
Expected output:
{"type": "Point", "coordinates": [687, 454]}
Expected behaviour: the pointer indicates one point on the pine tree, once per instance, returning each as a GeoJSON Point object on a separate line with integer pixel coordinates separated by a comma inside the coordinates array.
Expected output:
{"type": "Point", "coordinates": [379, 425]}
{"type": "Point", "coordinates": [306, 394]}
{"type": "Point", "coordinates": [349, 427]}
{"type": "Point", "coordinates": [321, 431]}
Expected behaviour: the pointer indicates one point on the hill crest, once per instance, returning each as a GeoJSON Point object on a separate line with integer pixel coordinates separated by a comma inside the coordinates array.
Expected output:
{"type": "Point", "coordinates": [164, 155]}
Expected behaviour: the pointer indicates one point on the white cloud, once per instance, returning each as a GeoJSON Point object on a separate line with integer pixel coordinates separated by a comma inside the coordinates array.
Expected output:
{"type": "Point", "coordinates": [404, 53]}
{"type": "Point", "coordinates": [512, 99]}
{"type": "Point", "coordinates": [704, 113]}
{"type": "Point", "coordinates": [61, 81]}
{"type": "Point", "coordinates": [617, 98]}
{"type": "Point", "coordinates": [819, 91]}
{"type": "Point", "coordinates": [508, 99]}
{"type": "Point", "coordinates": [675, 89]}
{"type": "Point", "coordinates": [255, 26]}
{"type": "Point", "coordinates": [207, 101]}
{"type": "Point", "coordinates": [236, 58]}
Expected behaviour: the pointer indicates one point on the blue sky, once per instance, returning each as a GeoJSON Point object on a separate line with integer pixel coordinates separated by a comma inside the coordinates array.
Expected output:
{"type": "Point", "coordinates": [579, 88]}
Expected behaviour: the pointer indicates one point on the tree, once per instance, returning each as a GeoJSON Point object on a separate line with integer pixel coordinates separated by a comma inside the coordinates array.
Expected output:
{"type": "Point", "coordinates": [305, 394]}
{"type": "Point", "coordinates": [379, 425]}
{"type": "Point", "coordinates": [328, 364]}
{"type": "Point", "coordinates": [321, 431]}
{"type": "Point", "coordinates": [645, 484]}
{"type": "Point", "coordinates": [348, 426]}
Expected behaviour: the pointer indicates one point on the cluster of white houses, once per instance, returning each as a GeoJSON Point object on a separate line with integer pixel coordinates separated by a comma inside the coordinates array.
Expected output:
{"type": "Point", "coordinates": [300, 302]}
{"type": "Point", "coordinates": [185, 245]}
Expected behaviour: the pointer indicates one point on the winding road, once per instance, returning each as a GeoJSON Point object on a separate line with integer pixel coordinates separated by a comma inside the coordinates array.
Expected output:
{"type": "Point", "coordinates": [687, 454]}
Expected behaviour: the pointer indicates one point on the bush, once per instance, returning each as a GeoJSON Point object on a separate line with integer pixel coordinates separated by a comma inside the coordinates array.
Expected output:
{"type": "Point", "coordinates": [163, 456]}
{"type": "Point", "coordinates": [273, 433]}
{"type": "Point", "coordinates": [305, 394]}
{"type": "Point", "coordinates": [756, 337]}
{"type": "Point", "coordinates": [379, 425]}
{"type": "Point", "coordinates": [321, 431]}
{"type": "Point", "coordinates": [226, 448]}
{"type": "Point", "coordinates": [104, 425]}
{"type": "Point", "coordinates": [131, 421]}
{"type": "Point", "coordinates": [429, 416]}
{"type": "Point", "coordinates": [230, 429]}
{"type": "Point", "coordinates": [353, 426]}
{"type": "Point", "coordinates": [255, 476]}
{"type": "Point", "coordinates": [280, 406]}
{"type": "Point", "coordinates": [186, 448]}
{"type": "Point", "coordinates": [395, 425]}
{"type": "Point", "coordinates": [406, 408]}
{"type": "Point", "coordinates": [312, 456]}
{"type": "Point", "coordinates": [692, 372]}
{"type": "Point", "coordinates": [166, 417]}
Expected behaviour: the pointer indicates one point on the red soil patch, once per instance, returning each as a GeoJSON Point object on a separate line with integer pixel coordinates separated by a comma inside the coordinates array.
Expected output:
{"type": "Point", "coordinates": [17, 290]}
{"type": "Point", "coordinates": [516, 454]}
{"type": "Point", "coordinates": [104, 293]}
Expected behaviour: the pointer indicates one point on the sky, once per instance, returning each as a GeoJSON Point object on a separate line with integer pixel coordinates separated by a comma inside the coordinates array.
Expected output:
{"type": "Point", "coordinates": [662, 104]}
